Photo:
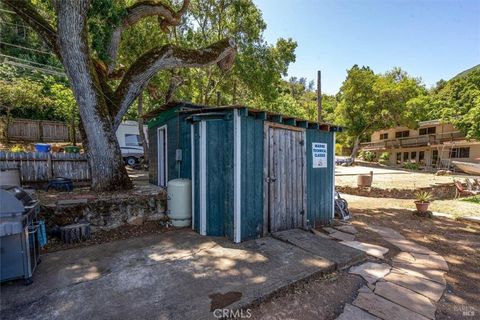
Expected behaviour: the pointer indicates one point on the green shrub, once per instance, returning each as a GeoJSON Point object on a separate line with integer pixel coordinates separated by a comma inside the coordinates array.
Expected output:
{"type": "Point", "coordinates": [384, 158]}
{"type": "Point", "coordinates": [411, 166]}
{"type": "Point", "coordinates": [368, 156]}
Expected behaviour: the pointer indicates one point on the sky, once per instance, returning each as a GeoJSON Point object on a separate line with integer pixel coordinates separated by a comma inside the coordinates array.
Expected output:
{"type": "Point", "coordinates": [430, 39]}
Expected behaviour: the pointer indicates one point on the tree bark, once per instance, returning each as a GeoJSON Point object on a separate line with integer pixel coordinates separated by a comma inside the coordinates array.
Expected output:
{"type": "Point", "coordinates": [356, 145]}
{"type": "Point", "coordinates": [103, 152]}
{"type": "Point", "coordinates": [143, 139]}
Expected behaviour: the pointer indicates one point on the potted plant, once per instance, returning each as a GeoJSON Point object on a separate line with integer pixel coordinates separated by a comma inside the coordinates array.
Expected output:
{"type": "Point", "coordinates": [422, 200]}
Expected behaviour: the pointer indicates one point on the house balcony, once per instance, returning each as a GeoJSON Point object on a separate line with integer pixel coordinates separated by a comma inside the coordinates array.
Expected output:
{"type": "Point", "coordinates": [411, 142]}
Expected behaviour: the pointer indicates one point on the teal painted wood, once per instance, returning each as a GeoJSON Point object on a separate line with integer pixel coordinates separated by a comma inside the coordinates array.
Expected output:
{"type": "Point", "coordinates": [195, 179]}
{"type": "Point", "coordinates": [320, 180]}
{"type": "Point", "coordinates": [219, 166]}
{"type": "Point", "coordinates": [251, 178]}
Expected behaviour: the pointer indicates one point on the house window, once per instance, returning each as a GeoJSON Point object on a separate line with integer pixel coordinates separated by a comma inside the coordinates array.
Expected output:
{"type": "Point", "coordinates": [413, 155]}
{"type": "Point", "coordinates": [429, 130]}
{"type": "Point", "coordinates": [421, 157]}
{"type": "Point", "coordinates": [402, 134]}
{"type": "Point", "coordinates": [405, 156]}
{"type": "Point", "coordinates": [132, 140]}
{"type": "Point", "coordinates": [399, 157]}
{"type": "Point", "coordinates": [434, 158]}
{"type": "Point", "coordinates": [383, 136]}
{"type": "Point", "coordinates": [460, 153]}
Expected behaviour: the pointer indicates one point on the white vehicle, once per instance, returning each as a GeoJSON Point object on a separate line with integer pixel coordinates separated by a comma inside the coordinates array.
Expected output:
{"type": "Point", "coordinates": [129, 140]}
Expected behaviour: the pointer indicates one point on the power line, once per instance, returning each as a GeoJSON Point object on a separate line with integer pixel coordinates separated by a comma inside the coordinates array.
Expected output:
{"type": "Point", "coordinates": [26, 48]}
{"type": "Point", "coordinates": [41, 70]}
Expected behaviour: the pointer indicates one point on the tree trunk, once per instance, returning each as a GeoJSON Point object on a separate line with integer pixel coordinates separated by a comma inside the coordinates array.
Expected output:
{"type": "Point", "coordinates": [103, 152]}
{"type": "Point", "coordinates": [143, 139]}
{"type": "Point", "coordinates": [356, 145]}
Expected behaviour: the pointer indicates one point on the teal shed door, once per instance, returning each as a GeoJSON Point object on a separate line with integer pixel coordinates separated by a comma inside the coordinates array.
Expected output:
{"type": "Point", "coordinates": [216, 177]}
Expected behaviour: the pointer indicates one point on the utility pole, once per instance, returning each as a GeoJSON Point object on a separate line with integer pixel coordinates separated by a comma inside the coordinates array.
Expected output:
{"type": "Point", "coordinates": [319, 96]}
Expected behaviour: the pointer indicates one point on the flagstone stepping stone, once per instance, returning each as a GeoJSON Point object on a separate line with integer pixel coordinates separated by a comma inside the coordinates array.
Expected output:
{"type": "Point", "coordinates": [387, 232]}
{"type": "Point", "coordinates": [409, 246]}
{"type": "Point", "coordinates": [371, 271]}
{"type": "Point", "coordinates": [385, 309]}
{"type": "Point", "coordinates": [427, 288]}
{"type": "Point", "coordinates": [347, 228]}
{"type": "Point", "coordinates": [433, 261]}
{"type": "Point", "coordinates": [406, 298]}
{"type": "Point", "coordinates": [354, 313]}
{"type": "Point", "coordinates": [329, 230]}
{"type": "Point", "coordinates": [365, 289]}
{"type": "Point", "coordinates": [420, 271]}
{"type": "Point", "coordinates": [320, 234]}
{"type": "Point", "coordinates": [342, 236]}
{"type": "Point", "coordinates": [371, 249]}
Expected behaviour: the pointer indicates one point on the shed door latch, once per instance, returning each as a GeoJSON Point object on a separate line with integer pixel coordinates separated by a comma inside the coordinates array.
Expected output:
{"type": "Point", "coordinates": [270, 179]}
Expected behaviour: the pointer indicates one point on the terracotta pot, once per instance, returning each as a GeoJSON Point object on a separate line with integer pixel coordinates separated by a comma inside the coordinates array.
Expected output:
{"type": "Point", "coordinates": [422, 206]}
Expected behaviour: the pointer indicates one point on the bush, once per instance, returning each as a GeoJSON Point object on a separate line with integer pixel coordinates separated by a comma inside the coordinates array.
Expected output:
{"type": "Point", "coordinates": [411, 166]}
{"type": "Point", "coordinates": [384, 158]}
{"type": "Point", "coordinates": [368, 156]}
{"type": "Point", "coordinates": [17, 148]}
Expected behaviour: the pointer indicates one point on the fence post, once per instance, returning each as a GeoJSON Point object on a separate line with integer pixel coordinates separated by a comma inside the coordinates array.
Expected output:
{"type": "Point", "coordinates": [40, 131]}
{"type": "Point", "coordinates": [49, 166]}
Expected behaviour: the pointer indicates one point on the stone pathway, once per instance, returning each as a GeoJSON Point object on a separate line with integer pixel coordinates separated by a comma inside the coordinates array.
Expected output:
{"type": "Point", "coordinates": [409, 289]}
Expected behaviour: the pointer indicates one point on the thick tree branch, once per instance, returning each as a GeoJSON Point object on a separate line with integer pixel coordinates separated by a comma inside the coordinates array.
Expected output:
{"type": "Point", "coordinates": [28, 14]}
{"type": "Point", "coordinates": [166, 15]}
{"type": "Point", "coordinates": [168, 57]}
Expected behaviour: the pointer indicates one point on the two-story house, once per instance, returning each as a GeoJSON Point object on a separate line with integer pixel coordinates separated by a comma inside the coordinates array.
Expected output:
{"type": "Point", "coordinates": [433, 145]}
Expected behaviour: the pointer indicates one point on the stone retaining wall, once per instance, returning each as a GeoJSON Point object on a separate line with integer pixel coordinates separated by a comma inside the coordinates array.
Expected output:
{"type": "Point", "coordinates": [438, 192]}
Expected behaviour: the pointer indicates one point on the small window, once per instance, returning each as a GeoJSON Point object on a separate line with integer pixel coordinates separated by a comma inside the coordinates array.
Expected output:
{"type": "Point", "coordinates": [434, 158]}
{"type": "Point", "coordinates": [399, 157]}
{"type": "Point", "coordinates": [413, 156]}
{"type": "Point", "coordinates": [383, 136]}
{"type": "Point", "coordinates": [132, 140]}
{"type": "Point", "coordinates": [460, 153]}
{"type": "Point", "coordinates": [430, 130]}
{"type": "Point", "coordinates": [405, 156]}
{"type": "Point", "coordinates": [402, 134]}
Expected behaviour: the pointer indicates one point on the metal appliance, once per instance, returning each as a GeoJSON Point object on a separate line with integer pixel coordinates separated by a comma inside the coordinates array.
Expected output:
{"type": "Point", "coordinates": [19, 245]}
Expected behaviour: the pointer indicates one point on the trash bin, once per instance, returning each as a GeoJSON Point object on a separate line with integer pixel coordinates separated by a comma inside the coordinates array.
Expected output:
{"type": "Point", "coordinates": [43, 147]}
{"type": "Point", "coordinates": [72, 149]}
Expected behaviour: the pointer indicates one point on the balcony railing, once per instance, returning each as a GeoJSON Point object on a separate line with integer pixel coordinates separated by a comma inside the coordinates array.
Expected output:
{"type": "Point", "coordinates": [418, 141]}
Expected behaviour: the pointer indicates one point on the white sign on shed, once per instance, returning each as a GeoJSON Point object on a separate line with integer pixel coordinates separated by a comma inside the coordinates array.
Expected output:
{"type": "Point", "coordinates": [319, 153]}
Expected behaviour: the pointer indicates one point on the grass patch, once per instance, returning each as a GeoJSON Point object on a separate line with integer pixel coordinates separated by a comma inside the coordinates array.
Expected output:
{"type": "Point", "coordinates": [474, 199]}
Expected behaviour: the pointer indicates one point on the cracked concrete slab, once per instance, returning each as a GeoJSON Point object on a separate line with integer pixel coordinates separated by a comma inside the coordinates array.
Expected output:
{"type": "Point", "coordinates": [406, 298]}
{"type": "Point", "coordinates": [432, 261]}
{"type": "Point", "coordinates": [172, 275]}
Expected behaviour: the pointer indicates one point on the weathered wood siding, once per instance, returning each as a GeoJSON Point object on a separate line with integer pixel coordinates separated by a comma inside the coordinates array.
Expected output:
{"type": "Point", "coordinates": [251, 178]}
{"type": "Point", "coordinates": [320, 180]}
{"type": "Point", "coordinates": [40, 166]}
{"type": "Point", "coordinates": [153, 155]}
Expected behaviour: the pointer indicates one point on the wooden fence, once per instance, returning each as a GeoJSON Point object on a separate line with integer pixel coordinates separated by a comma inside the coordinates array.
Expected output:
{"type": "Point", "coordinates": [39, 130]}
{"type": "Point", "coordinates": [42, 166]}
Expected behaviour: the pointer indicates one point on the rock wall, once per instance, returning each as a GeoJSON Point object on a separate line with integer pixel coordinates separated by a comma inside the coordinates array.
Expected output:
{"type": "Point", "coordinates": [106, 214]}
{"type": "Point", "coordinates": [438, 192]}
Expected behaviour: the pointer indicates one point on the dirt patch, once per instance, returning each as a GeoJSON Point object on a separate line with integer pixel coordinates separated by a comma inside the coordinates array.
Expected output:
{"type": "Point", "coordinates": [321, 297]}
{"type": "Point", "coordinates": [120, 233]}
{"type": "Point", "coordinates": [457, 241]}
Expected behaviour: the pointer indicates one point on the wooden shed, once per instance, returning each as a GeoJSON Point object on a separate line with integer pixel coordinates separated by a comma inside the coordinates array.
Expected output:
{"type": "Point", "coordinates": [253, 172]}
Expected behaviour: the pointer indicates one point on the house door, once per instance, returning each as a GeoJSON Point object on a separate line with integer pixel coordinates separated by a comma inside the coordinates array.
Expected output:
{"type": "Point", "coordinates": [162, 156]}
{"type": "Point", "coordinates": [286, 178]}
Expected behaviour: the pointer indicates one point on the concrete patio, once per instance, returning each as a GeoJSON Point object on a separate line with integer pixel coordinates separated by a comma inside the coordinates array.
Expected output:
{"type": "Point", "coordinates": [174, 275]}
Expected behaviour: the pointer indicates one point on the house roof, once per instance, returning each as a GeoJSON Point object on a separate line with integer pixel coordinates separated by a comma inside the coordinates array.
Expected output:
{"type": "Point", "coordinates": [190, 108]}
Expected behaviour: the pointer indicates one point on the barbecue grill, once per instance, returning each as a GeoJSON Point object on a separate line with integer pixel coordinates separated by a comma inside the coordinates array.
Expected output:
{"type": "Point", "coordinates": [19, 246]}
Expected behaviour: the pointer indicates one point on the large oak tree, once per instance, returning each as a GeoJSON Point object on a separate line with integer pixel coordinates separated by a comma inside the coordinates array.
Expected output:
{"type": "Point", "coordinates": [101, 105]}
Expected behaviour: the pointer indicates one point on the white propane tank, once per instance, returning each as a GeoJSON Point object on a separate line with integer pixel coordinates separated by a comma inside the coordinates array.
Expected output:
{"type": "Point", "coordinates": [179, 202]}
